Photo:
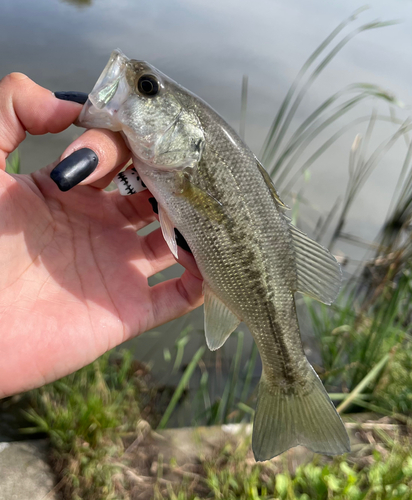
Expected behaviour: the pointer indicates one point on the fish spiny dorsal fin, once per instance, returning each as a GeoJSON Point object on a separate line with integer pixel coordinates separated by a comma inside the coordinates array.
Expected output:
{"type": "Point", "coordinates": [319, 274]}
{"type": "Point", "coordinates": [272, 189]}
{"type": "Point", "coordinates": [220, 322]}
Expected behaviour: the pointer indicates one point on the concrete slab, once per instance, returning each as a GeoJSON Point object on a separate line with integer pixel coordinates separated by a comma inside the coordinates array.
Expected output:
{"type": "Point", "coordinates": [24, 471]}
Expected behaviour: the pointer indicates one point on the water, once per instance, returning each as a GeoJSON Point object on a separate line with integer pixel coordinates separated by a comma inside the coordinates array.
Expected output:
{"type": "Point", "coordinates": [208, 47]}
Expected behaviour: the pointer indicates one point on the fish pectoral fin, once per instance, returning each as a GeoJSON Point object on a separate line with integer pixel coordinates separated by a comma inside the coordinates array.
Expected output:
{"type": "Point", "coordinates": [271, 186]}
{"type": "Point", "coordinates": [300, 414]}
{"type": "Point", "coordinates": [319, 274]}
{"type": "Point", "coordinates": [168, 231]}
{"type": "Point", "coordinates": [201, 200]}
{"type": "Point", "coordinates": [220, 322]}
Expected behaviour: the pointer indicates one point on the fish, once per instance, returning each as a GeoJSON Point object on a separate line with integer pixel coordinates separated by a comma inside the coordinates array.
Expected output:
{"type": "Point", "coordinates": [212, 189]}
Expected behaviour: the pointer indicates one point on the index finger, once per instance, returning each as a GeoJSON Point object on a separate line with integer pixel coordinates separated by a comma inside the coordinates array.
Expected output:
{"type": "Point", "coordinates": [28, 107]}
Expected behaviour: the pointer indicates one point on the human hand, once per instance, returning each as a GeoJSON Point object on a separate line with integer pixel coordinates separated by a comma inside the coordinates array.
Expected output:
{"type": "Point", "coordinates": [73, 271]}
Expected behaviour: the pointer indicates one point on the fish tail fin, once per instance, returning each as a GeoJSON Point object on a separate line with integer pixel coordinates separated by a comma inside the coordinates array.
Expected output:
{"type": "Point", "coordinates": [302, 414]}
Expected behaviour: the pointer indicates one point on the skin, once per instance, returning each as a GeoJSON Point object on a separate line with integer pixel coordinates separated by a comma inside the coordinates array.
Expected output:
{"type": "Point", "coordinates": [73, 271]}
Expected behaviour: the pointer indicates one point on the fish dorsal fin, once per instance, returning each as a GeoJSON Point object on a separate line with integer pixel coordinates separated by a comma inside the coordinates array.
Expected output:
{"type": "Point", "coordinates": [220, 322]}
{"type": "Point", "coordinates": [269, 183]}
{"type": "Point", "coordinates": [319, 274]}
{"type": "Point", "coordinates": [168, 231]}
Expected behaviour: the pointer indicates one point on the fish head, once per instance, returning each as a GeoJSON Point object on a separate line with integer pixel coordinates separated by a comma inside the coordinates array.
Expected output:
{"type": "Point", "coordinates": [135, 98]}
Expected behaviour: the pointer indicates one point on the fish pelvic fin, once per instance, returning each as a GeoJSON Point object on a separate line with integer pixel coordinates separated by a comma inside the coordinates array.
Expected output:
{"type": "Point", "coordinates": [168, 230]}
{"type": "Point", "coordinates": [220, 322]}
{"type": "Point", "coordinates": [300, 415]}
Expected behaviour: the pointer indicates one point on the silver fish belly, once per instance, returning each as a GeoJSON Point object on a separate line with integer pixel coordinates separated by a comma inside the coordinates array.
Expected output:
{"type": "Point", "coordinates": [210, 187]}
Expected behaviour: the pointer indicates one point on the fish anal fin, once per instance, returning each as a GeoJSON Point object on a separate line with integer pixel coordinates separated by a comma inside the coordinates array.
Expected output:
{"type": "Point", "coordinates": [318, 273]}
{"type": "Point", "coordinates": [271, 186]}
{"type": "Point", "coordinates": [220, 322]}
{"type": "Point", "coordinates": [168, 230]}
{"type": "Point", "coordinates": [303, 415]}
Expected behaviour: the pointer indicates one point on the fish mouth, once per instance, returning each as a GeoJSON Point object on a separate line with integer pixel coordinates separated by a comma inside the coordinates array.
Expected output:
{"type": "Point", "coordinates": [109, 93]}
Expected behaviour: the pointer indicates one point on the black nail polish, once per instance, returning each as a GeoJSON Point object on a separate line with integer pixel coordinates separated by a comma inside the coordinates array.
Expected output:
{"type": "Point", "coordinates": [181, 242]}
{"type": "Point", "coordinates": [74, 169]}
{"type": "Point", "coordinates": [80, 97]}
{"type": "Point", "coordinates": [153, 202]}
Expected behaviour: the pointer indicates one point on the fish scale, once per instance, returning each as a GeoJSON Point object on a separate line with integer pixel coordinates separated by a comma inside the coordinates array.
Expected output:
{"type": "Point", "coordinates": [212, 189]}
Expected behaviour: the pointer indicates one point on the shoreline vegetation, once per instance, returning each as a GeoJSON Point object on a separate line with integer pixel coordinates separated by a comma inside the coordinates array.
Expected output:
{"type": "Point", "coordinates": [95, 415]}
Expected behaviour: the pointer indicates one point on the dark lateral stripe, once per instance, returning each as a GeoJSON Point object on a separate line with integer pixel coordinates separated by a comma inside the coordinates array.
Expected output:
{"type": "Point", "coordinates": [283, 352]}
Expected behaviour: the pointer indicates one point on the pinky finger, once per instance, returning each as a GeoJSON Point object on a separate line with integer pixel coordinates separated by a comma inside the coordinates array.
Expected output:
{"type": "Point", "coordinates": [176, 297]}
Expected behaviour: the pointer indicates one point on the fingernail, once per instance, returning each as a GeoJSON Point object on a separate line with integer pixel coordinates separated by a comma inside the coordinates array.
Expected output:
{"type": "Point", "coordinates": [153, 202]}
{"type": "Point", "coordinates": [129, 182]}
{"type": "Point", "coordinates": [74, 169]}
{"type": "Point", "coordinates": [80, 97]}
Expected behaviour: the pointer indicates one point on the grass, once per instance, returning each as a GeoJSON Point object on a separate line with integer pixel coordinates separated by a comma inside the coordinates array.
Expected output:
{"type": "Point", "coordinates": [85, 416]}
{"type": "Point", "coordinates": [379, 472]}
{"type": "Point", "coordinates": [93, 416]}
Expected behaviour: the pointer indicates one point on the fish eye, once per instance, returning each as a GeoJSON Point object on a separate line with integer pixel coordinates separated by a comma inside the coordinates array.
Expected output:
{"type": "Point", "coordinates": [148, 85]}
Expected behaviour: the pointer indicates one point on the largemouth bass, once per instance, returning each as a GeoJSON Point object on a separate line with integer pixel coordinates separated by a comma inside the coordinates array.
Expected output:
{"type": "Point", "coordinates": [213, 190]}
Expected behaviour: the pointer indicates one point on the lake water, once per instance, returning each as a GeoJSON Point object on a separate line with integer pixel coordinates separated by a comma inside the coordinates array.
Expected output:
{"type": "Point", "coordinates": [208, 47]}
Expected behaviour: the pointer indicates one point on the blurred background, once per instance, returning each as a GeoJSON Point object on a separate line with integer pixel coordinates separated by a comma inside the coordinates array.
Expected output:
{"type": "Point", "coordinates": [339, 154]}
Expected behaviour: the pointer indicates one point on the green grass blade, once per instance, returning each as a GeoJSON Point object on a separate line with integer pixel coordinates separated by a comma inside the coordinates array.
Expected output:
{"type": "Point", "coordinates": [361, 173]}
{"type": "Point", "coordinates": [221, 411]}
{"type": "Point", "coordinates": [319, 152]}
{"type": "Point", "coordinates": [243, 108]}
{"type": "Point", "coordinates": [249, 373]}
{"type": "Point", "coordinates": [402, 196]}
{"type": "Point", "coordinates": [339, 396]}
{"type": "Point", "coordinates": [363, 384]}
{"type": "Point", "coordinates": [305, 139]}
{"type": "Point", "coordinates": [324, 147]}
{"type": "Point", "coordinates": [246, 409]}
{"type": "Point", "coordinates": [282, 110]}
{"type": "Point", "coordinates": [234, 376]}
{"type": "Point", "coordinates": [13, 163]}
{"type": "Point", "coordinates": [273, 146]}
{"type": "Point", "coordinates": [181, 386]}
{"type": "Point", "coordinates": [381, 410]}
{"type": "Point", "coordinates": [323, 228]}
{"type": "Point", "coordinates": [205, 393]}
{"type": "Point", "coordinates": [311, 127]}
{"type": "Point", "coordinates": [180, 346]}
